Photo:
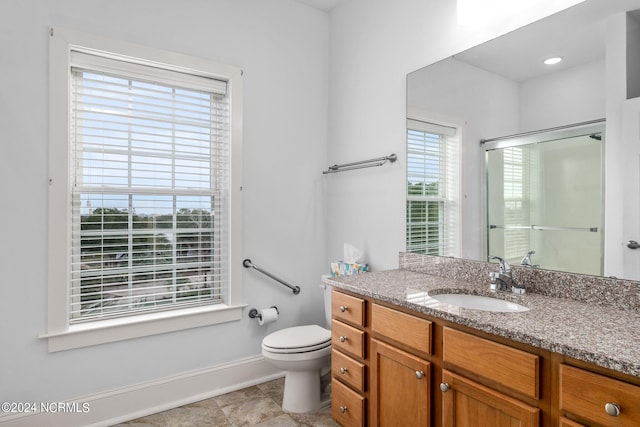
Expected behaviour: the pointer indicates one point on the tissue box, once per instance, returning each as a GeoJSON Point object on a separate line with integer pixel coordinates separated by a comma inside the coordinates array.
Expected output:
{"type": "Point", "coordinates": [347, 268]}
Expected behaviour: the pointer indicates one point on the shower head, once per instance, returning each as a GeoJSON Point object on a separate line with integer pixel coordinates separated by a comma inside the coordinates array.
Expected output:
{"type": "Point", "coordinates": [596, 136]}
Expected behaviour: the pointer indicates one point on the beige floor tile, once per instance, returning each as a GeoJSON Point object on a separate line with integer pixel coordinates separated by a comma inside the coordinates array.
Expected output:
{"type": "Point", "coordinates": [257, 406]}
{"type": "Point", "coordinates": [237, 397]}
{"type": "Point", "coordinates": [282, 420]}
{"type": "Point", "coordinates": [273, 389]}
{"type": "Point", "coordinates": [250, 412]}
{"type": "Point", "coordinates": [320, 418]}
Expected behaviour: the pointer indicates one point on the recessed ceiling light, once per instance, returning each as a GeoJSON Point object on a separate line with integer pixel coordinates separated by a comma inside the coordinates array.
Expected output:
{"type": "Point", "coordinates": [552, 61]}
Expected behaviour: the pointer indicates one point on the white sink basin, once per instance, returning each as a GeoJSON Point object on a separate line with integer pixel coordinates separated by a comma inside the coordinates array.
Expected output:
{"type": "Point", "coordinates": [477, 302]}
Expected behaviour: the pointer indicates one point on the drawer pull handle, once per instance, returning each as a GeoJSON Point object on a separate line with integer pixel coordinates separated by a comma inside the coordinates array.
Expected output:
{"type": "Point", "coordinates": [419, 375]}
{"type": "Point", "coordinates": [344, 308]}
{"type": "Point", "coordinates": [343, 409]}
{"type": "Point", "coordinates": [343, 338]}
{"type": "Point", "coordinates": [343, 370]}
{"type": "Point", "coordinates": [444, 387]}
{"type": "Point", "coordinates": [612, 409]}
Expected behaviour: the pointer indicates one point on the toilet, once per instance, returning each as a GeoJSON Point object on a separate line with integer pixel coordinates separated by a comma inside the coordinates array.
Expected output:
{"type": "Point", "coordinates": [304, 352]}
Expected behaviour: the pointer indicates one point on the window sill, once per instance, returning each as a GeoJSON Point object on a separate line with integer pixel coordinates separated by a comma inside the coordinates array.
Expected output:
{"type": "Point", "coordinates": [105, 331]}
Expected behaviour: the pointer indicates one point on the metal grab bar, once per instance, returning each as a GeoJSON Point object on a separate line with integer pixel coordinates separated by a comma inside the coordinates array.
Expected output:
{"type": "Point", "coordinates": [543, 228]}
{"type": "Point", "coordinates": [248, 264]}
{"type": "Point", "coordinates": [379, 161]}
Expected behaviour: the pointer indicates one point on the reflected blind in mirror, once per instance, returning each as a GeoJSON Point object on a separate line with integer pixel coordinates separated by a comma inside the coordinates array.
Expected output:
{"type": "Point", "coordinates": [517, 187]}
{"type": "Point", "coordinates": [150, 155]}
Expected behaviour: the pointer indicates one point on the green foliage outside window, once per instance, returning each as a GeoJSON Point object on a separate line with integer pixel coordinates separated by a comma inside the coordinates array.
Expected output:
{"type": "Point", "coordinates": [424, 219]}
{"type": "Point", "coordinates": [124, 254]}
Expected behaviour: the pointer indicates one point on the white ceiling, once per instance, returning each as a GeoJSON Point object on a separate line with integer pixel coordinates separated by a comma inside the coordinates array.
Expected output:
{"type": "Point", "coordinates": [325, 5]}
{"type": "Point", "coordinates": [576, 34]}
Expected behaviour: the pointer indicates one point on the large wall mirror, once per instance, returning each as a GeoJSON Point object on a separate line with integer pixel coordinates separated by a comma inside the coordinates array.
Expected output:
{"type": "Point", "coordinates": [503, 91]}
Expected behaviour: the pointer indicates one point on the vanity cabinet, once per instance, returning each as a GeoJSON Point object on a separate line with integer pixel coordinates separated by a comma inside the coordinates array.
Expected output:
{"type": "Point", "coordinates": [595, 398]}
{"type": "Point", "coordinates": [393, 367]}
{"type": "Point", "coordinates": [348, 359]}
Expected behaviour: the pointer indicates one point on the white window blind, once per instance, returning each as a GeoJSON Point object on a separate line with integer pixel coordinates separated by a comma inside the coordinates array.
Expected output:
{"type": "Point", "coordinates": [517, 203]}
{"type": "Point", "coordinates": [150, 178]}
{"type": "Point", "coordinates": [432, 189]}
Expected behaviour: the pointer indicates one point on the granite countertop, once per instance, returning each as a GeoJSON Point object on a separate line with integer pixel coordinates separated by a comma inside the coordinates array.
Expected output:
{"type": "Point", "coordinates": [602, 335]}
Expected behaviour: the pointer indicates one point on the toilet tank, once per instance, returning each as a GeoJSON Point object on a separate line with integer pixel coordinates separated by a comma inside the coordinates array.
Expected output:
{"type": "Point", "coordinates": [327, 300]}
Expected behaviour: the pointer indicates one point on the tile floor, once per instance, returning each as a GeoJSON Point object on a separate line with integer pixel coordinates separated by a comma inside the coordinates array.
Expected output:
{"type": "Point", "coordinates": [253, 406]}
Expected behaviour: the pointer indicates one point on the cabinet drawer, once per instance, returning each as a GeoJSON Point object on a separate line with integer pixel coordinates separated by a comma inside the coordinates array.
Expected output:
{"type": "Point", "coordinates": [347, 338]}
{"type": "Point", "coordinates": [509, 367]}
{"type": "Point", "coordinates": [403, 328]}
{"type": "Point", "coordinates": [347, 308]}
{"type": "Point", "coordinates": [347, 370]}
{"type": "Point", "coordinates": [585, 395]}
{"type": "Point", "coordinates": [347, 406]}
{"type": "Point", "coordinates": [565, 422]}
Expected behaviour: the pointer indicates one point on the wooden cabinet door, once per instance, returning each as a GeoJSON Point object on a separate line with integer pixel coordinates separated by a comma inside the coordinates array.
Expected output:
{"type": "Point", "coordinates": [466, 403]}
{"type": "Point", "coordinates": [400, 387]}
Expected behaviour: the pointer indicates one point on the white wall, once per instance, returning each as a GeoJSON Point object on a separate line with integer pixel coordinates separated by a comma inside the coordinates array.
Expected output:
{"type": "Point", "coordinates": [621, 195]}
{"type": "Point", "coordinates": [283, 48]}
{"type": "Point", "coordinates": [374, 45]}
{"type": "Point", "coordinates": [574, 95]}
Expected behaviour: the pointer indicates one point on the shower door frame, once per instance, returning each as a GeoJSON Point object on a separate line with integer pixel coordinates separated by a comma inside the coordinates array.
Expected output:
{"type": "Point", "coordinates": [541, 136]}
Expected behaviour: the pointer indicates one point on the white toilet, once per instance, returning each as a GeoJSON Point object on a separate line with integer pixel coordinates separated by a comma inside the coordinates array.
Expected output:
{"type": "Point", "coordinates": [304, 352]}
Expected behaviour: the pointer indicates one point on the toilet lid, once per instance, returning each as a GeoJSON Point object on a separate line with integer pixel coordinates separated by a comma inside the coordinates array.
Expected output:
{"type": "Point", "coordinates": [297, 339]}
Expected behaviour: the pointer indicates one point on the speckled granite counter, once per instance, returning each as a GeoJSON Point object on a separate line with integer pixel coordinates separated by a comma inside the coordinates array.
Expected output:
{"type": "Point", "coordinates": [604, 335]}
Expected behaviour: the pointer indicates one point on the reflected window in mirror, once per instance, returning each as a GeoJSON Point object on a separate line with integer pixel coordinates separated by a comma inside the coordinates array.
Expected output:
{"type": "Point", "coordinates": [433, 188]}
{"type": "Point", "coordinates": [517, 183]}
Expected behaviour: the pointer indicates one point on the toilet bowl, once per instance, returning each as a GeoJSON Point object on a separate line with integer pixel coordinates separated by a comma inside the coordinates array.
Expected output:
{"type": "Point", "coordinates": [304, 353]}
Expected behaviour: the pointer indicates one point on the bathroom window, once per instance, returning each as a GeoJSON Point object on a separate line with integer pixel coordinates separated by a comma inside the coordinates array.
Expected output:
{"type": "Point", "coordinates": [433, 205]}
{"type": "Point", "coordinates": [146, 192]}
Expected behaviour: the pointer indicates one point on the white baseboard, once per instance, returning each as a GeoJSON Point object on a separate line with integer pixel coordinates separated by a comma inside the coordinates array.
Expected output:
{"type": "Point", "coordinates": [127, 403]}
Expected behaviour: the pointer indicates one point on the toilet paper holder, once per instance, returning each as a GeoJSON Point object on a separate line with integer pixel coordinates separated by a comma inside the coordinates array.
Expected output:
{"type": "Point", "coordinates": [255, 314]}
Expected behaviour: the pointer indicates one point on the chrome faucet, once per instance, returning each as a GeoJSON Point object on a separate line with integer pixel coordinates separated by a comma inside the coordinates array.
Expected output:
{"type": "Point", "coordinates": [503, 280]}
{"type": "Point", "coordinates": [526, 260]}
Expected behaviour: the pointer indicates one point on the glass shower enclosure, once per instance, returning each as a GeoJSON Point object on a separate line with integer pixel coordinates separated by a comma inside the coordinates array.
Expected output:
{"type": "Point", "coordinates": [545, 197]}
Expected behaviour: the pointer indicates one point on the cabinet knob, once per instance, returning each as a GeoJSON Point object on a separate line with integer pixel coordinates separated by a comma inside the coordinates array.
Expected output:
{"type": "Point", "coordinates": [343, 308]}
{"type": "Point", "coordinates": [612, 409]}
{"type": "Point", "coordinates": [343, 409]}
{"type": "Point", "coordinates": [444, 387]}
{"type": "Point", "coordinates": [343, 370]}
{"type": "Point", "coordinates": [343, 338]}
{"type": "Point", "coordinates": [419, 375]}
